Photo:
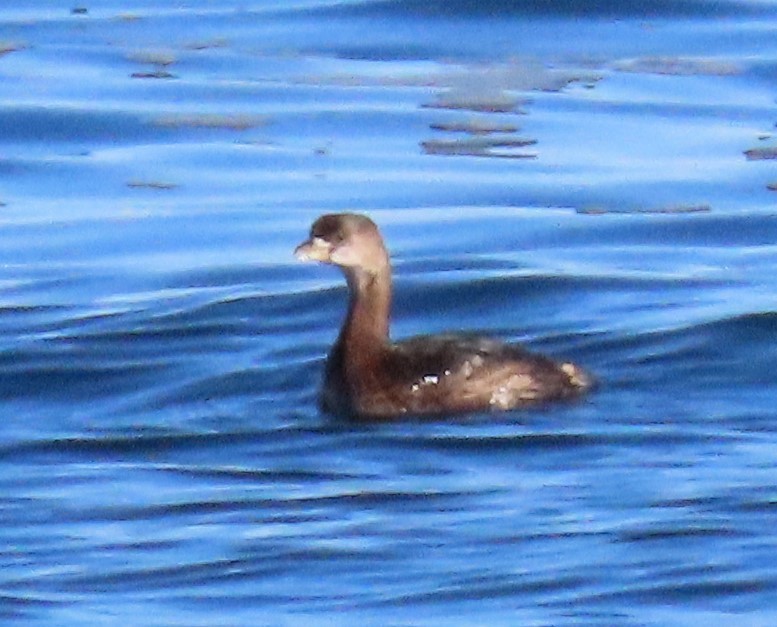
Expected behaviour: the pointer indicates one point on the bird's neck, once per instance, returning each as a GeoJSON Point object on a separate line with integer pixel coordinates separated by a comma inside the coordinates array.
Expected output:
{"type": "Point", "coordinates": [366, 328]}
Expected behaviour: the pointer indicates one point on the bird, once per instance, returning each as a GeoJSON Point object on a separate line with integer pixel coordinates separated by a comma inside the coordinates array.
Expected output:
{"type": "Point", "coordinates": [369, 377]}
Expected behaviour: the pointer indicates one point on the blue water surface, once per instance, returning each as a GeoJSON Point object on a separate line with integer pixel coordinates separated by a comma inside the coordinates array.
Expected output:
{"type": "Point", "coordinates": [594, 180]}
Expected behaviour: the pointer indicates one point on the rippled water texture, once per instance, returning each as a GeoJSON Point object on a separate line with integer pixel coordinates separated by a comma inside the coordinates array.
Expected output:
{"type": "Point", "coordinates": [592, 179]}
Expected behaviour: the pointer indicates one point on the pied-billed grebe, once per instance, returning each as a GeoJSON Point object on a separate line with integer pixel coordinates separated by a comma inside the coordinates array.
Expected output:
{"type": "Point", "coordinates": [368, 376]}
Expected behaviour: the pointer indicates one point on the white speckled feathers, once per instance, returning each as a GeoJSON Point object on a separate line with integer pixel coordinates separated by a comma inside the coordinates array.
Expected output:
{"type": "Point", "coordinates": [480, 371]}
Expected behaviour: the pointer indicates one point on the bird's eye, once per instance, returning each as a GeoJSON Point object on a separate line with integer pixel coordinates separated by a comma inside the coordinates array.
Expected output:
{"type": "Point", "coordinates": [329, 230]}
{"type": "Point", "coordinates": [332, 238]}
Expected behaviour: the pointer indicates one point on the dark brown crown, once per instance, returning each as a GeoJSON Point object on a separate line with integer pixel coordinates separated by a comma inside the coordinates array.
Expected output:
{"type": "Point", "coordinates": [336, 227]}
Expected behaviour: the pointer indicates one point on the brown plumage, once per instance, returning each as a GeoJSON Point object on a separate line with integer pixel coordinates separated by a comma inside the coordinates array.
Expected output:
{"type": "Point", "coordinates": [368, 376]}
